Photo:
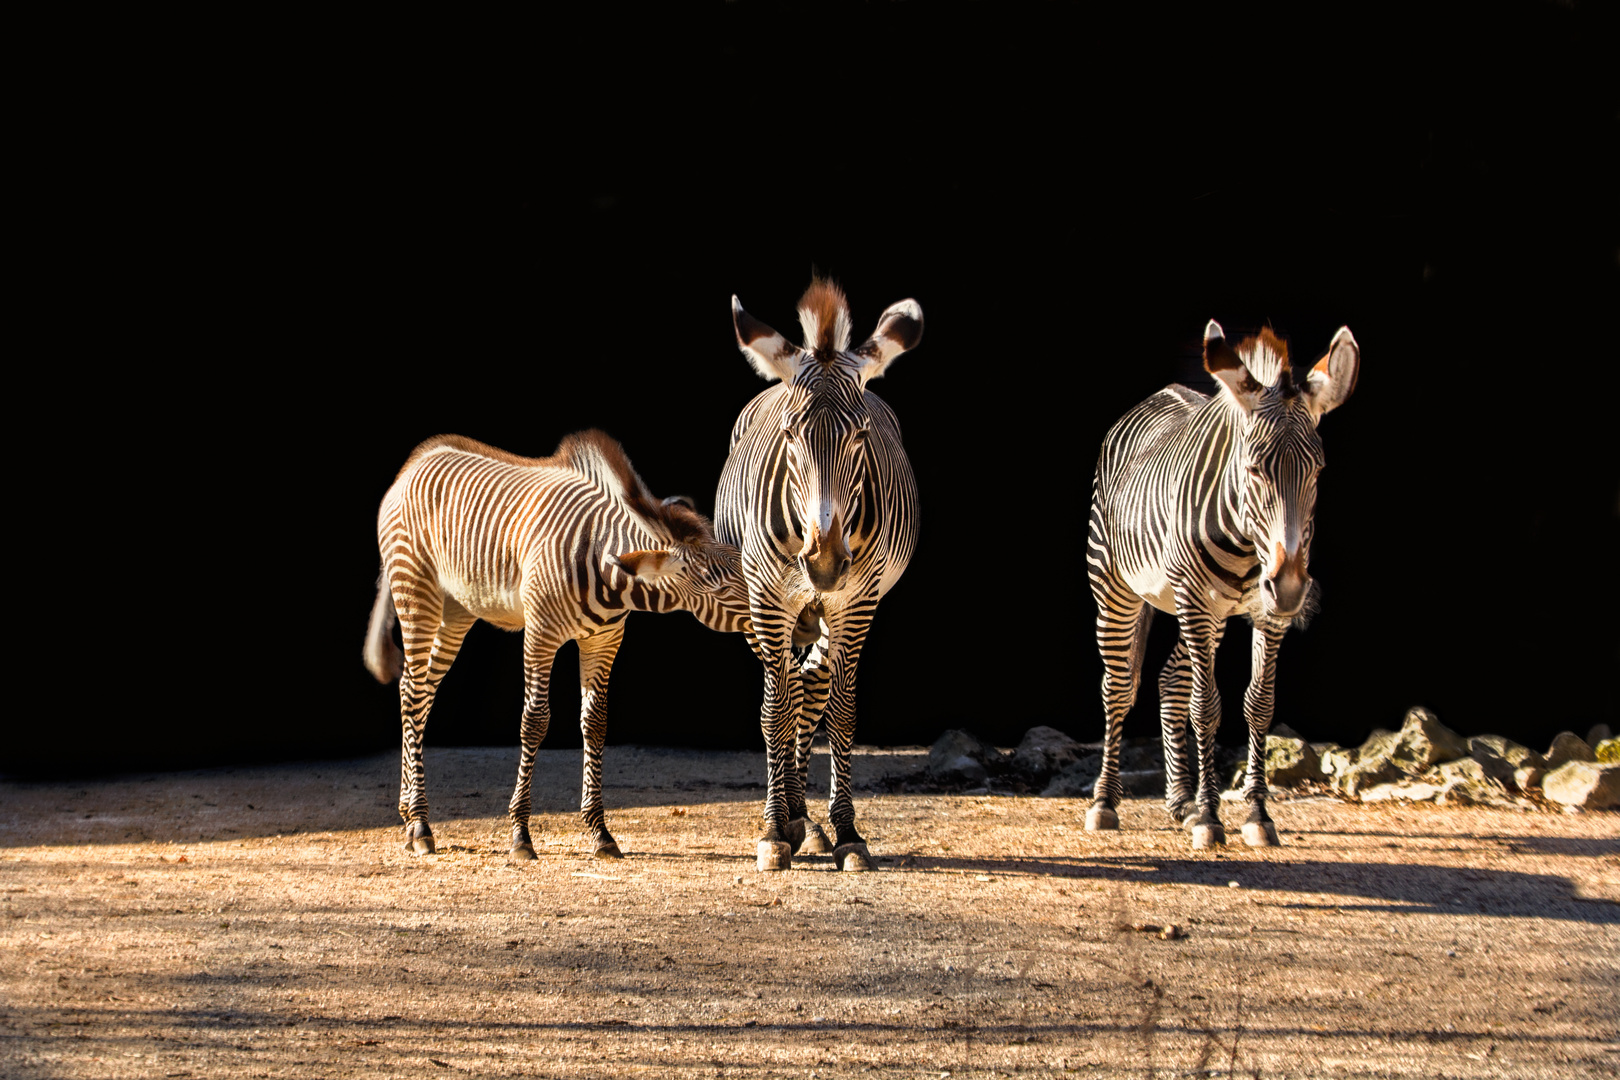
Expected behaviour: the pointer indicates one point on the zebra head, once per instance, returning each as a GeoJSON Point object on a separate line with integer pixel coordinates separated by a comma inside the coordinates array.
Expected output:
{"type": "Point", "coordinates": [825, 425]}
{"type": "Point", "coordinates": [695, 572]}
{"type": "Point", "coordinates": [1278, 454]}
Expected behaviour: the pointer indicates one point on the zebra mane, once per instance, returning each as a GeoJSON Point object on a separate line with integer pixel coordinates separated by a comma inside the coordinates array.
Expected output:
{"type": "Point", "coordinates": [1266, 357]}
{"type": "Point", "coordinates": [598, 455]}
{"type": "Point", "coordinates": [824, 318]}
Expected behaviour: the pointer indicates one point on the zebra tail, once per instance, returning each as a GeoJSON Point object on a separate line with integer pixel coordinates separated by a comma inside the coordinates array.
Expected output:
{"type": "Point", "coordinates": [383, 658]}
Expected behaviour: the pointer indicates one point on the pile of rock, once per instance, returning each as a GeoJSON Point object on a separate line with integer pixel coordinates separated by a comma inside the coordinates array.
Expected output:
{"type": "Point", "coordinates": [1427, 761]}
{"type": "Point", "coordinates": [1047, 762]}
{"type": "Point", "coordinates": [1423, 761]}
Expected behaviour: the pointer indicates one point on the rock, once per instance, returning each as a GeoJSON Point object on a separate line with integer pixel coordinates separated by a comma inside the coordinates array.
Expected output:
{"type": "Point", "coordinates": [1501, 758]}
{"type": "Point", "coordinates": [961, 757]}
{"type": "Point", "coordinates": [1466, 783]}
{"type": "Point", "coordinates": [1584, 784]}
{"type": "Point", "coordinates": [1143, 783]}
{"type": "Point", "coordinates": [1406, 789]}
{"type": "Point", "coordinates": [1336, 759]}
{"type": "Point", "coordinates": [1598, 733]}
{"type": "Point", "coordinates": [1044, 751]}
{"type": "Point", "coordinates": [1290, 761]}
{"type": "Point", "coordinates": [1283, 731]}
{"type": "Point", "coordinates": [1528, 776]}
{"type": "Point", "coordinates": [1566, 746]}
{"type": "Point", "coordinates": [1365, 774]}
{"type": "Point", "coordinates": [1140, 754]}
{"type": "Point", "coordinates": [1608, 752]}
{"type": "Point", "coordinates": [1424, 742]}
{"type": "Point", "coordinates": [1077, 780]}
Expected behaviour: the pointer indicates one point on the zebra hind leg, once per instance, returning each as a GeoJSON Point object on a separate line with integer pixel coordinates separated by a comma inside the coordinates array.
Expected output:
{"type": "Point", "coordinates": [1122, 624]}
{"type": "Point", "coordinates": [804, 836]}
{"type": "Point", "coordinates": [1175, 687]}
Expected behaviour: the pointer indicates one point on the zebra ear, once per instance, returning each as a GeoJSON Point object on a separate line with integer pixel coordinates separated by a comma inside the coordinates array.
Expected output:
{"type": "Point", "coordinates": [767, 350]}
{"type": "Point", "coordinates": [647, 567]}
{"type": "Point", "coordinates": [1223, 362]}
{"type": "Point", "coordinates": [1333, 379]}
{"type": "Point", "coordinates": [898, 331]}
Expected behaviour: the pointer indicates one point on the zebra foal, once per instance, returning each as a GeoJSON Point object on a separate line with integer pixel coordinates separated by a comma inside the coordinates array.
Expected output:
{"type": "Point", "coordinates": [561, 548]}
{"type": "Point", "coordinates": [819, 496]}
{"type": "Point", "coordinates": [1204, 508]}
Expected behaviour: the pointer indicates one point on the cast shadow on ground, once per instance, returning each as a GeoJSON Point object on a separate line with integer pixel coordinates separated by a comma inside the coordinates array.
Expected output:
{"type": "Point", "coordinates": [1399, 888]}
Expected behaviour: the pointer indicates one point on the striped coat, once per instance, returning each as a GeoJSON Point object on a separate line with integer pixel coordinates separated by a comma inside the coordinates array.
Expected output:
{"type": "Point", "coordinates": [561, 548]}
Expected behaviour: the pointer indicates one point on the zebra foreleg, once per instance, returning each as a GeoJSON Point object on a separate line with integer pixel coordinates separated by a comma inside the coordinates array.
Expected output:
{"type": "Point", "coordinates": [804, 835]}
{"type": "Point", "coordinates": [596, 655]}
{"type": "Point", "coordinates": [427, 659]}
{"type": "Point", "coordinates": [1122, 624]}
{"type": "Point", "coordinates": [1175, 688]}
{"type": "Point", "coordinates": [1258, 830]}
{"type": "Point", "coordinates": [538, 654]}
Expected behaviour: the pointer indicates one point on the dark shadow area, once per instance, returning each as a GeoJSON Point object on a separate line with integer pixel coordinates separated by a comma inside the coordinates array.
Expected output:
{"type": "Point", "coordinates": [379, 251]}
{"type": "Point", "coordinates": [1410, 889]}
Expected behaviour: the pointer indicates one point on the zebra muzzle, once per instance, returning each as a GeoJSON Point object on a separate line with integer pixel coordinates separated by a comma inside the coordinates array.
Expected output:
{"type": "Point", "coordinates": [826, 558]}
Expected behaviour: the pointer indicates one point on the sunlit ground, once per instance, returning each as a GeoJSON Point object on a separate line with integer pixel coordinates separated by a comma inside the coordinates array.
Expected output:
{"type": "Point", "coordinates": [266, 923]}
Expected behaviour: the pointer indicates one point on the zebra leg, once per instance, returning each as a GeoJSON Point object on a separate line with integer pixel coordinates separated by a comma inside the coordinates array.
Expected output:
{"type": "Point", "coordinates": [1258, 830]}
{"type": "Point", "coordinates": [596, 655]}
{"type": "Point", "coordinates": [778, 721]}
{"type": "Point", "coordinates": [539, 651]}
{"type": "Point", "coordinates": [1202, 633]}
{"type": "Point", "coordinates": [1175, 688]}
{"type": "Point", "coordinates": [848, 635]}
{"type": "Point", "coordinates": [1122, 624]}
{"type": "Point", "coordinates": [805, 835]}
{"type": "Point", "coordinates": [428, 657]}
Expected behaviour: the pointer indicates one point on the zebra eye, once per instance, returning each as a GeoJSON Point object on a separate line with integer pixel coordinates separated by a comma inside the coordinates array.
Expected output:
{"type": "Point", "coordinates": [1254, 471]}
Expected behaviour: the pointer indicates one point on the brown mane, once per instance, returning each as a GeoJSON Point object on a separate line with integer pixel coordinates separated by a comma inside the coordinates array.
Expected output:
{"type": "Point", "coordinates": [824, 316]}
{"type": "Point", "coordinates": [580, 452]}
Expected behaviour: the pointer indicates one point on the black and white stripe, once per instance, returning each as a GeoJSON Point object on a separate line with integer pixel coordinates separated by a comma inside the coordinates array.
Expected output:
{"type": "Point", "coordinates": [820, 498]}
{"type": "Point", "coordinates": [1203, 507]}
{"type": "Point", "coordinates": [561, 548]}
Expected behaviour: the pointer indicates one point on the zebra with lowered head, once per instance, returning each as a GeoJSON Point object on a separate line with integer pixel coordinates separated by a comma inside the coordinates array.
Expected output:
{"type": "Point", "coordinates": [561, 548]}
{"type": "Point", "coordinates": [818, 494]}
{"type": "Point", "coordinates": [1203, 508]}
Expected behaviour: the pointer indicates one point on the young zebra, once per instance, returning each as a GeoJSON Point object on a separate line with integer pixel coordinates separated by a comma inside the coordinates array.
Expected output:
{"type": "Point", "coordinates": [560, 547]}
{"type": "Point", "coordinates": [1204, 508]}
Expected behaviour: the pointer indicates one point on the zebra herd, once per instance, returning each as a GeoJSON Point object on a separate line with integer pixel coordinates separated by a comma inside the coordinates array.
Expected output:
{"type": "Point", "coordinates": [1202, 507]}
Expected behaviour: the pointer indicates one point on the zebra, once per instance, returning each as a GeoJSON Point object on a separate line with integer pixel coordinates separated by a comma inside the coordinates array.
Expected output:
{"type": "Point", "coordinates": [1203, 507]}
{"type": "Point", "coordinates": [819, 496]}
{"type": "Point", "coordinates": [560, 547]}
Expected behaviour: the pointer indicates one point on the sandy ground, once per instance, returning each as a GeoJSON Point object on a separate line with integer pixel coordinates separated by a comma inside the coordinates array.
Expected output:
{"type": "Point", "coordinates": [265, 922]}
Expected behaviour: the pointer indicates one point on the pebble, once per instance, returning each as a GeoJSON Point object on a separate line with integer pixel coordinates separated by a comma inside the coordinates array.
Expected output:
{"type": "Point", "coordinates": [1233, 885]}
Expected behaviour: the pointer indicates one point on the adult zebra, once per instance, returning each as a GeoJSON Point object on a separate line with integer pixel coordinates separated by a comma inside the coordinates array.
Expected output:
{"type": "Point", "coordinates": [561, 548]}
{"type": "Point", "coordinates": [819, 496]}
{"type": "Point", "coordinates": [1204, 508]}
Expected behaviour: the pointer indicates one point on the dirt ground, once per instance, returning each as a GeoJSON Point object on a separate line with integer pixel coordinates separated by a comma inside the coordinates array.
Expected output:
{"type": "Point", "coordinates": [265, 922]}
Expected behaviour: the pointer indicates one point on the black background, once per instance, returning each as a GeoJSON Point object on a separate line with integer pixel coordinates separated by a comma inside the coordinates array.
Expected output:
{"type": "Point", "coordinates": [286, 255]}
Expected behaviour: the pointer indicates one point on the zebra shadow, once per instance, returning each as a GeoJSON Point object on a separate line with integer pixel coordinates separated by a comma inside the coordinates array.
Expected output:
{"type": "Point", "coordinates": [1396, 888]}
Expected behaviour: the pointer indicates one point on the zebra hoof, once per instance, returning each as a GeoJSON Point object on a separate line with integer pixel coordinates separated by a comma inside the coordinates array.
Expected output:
{"type": "Point", "coordinates": [523, 853]}
{"type": "Point", "coordinates": [419, 839]}
{"type": "Point", "coordinates": [1100, 819]}
{"type": "Point", "coordinates": [1205, 837]}
{"type": "Point", "coordinates": [773, 855]}
{"type": "Point", "coordinates": [795, 832]}
{"type": "Point", "coordinates": [1260, 834]}
{"type": "Point", "coordinates": [813, 842]}
{"type": "Point", "coordinates": [608, 850]}
{"type": "Point", "coordinates": [853, 858]}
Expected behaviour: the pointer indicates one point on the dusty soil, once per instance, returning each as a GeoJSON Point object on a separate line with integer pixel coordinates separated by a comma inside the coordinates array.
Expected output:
{"type": "Point", "coordinates": [266, 923]}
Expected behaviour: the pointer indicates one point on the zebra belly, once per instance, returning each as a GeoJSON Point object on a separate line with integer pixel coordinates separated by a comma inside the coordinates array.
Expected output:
{"type": "Point", "coordinates": [1154, 587]}
{"type": "Point", "coordinates": [495, 603]}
